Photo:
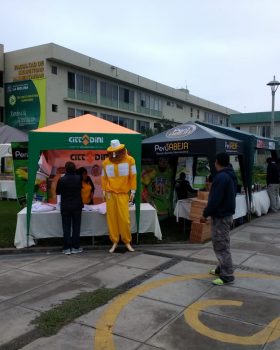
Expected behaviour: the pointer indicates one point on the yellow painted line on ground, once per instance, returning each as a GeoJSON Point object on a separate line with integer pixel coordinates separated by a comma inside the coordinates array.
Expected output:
{"type": "Point", "coordinates": [104, 327]}
{"type": "Point", "coordinates": [192, 318]}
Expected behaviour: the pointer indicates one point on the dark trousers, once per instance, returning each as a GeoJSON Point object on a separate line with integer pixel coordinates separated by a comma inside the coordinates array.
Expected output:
{"type": "Point", "coordinates": [221, 244]}
{"type": "Point", "coordinates": [71, 219]}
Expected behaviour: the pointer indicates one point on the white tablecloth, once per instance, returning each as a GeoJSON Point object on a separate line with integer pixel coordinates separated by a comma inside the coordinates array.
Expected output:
{"type": "Point", "coordinates": [260, 203]}
{"type": "Point", "coordinates": [48, 224]}
{"type": "Point", "coordinates": [10, 187]}
{"type": "Point", "coordinates": [183, 208]}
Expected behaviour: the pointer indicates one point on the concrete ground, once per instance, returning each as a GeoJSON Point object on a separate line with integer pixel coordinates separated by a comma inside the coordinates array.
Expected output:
{"type": "Point", "coordinates": [171, 303]}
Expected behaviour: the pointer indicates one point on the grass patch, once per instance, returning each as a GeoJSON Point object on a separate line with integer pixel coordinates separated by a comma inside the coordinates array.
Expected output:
{"type": "Point", "coordinates": [172, 231]}
{"type": "Point", "coordinates": [8, 219]}
{"type": "Point", "coordinates": [50, 322]}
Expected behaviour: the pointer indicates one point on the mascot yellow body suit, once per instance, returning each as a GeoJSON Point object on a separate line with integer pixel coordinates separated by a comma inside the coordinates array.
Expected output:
{"type": "Point", "coordinates": [119, 186]}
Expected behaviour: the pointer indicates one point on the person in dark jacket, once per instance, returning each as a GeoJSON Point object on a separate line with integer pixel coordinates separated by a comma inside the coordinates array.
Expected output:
{"type": "Point", "coordinates": [272, 181]}
{"type": "Point", "coordinates": [183, 187]}
{"type": "Point", "coordinates": [221, 207]}
{"type": "Point", "coordinates": [69, 187]}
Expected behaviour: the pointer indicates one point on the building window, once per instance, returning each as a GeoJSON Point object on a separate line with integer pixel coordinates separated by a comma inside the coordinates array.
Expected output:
{"type": "Point", "coordinates": [253, 129]}
{"type": "Point", "coordinates": [144, 100]}
{"type": "Point", "coordinates": [71, 113]}
{"type": "Point", "coordinates": [191, 112]}
{"type": "Point", "coordinates": [54, 108]}
{"type": "Point", "coordinates": [149, 104]}
{"type": "Point", "coordinates": [264, 130]}
{"type": "Point", "coordinates": [86, 85]}
{"type": "Point", "coordinates": [197, 115]}
{"type": "Point", "coordinates": [110, 118]}
{"type": "Point", "coordinates": [169, 103]}
{"type": "Point", "coordinates": [179, 106]}
{"type": "Point", "coordinates": [125, 122]}
{"type": "Point", "coordinates": [75, 112]}
{"type": "Point", "coordinates": [142, 126]}
{"type": "Point", "coordinates": [126, 95]}
{"type": "Point", "coordinates": [54, 70]}
{"type": "Point", "coordinates": [1, 79]}
{"type": "Point", "coordinates": [82, 87]}
{"type": "Point", "coordinates": [126, 98]}
{"type": "Point", "coordinates": [71, 81]}
{"type": "Point", "coordinates": [108, 94]}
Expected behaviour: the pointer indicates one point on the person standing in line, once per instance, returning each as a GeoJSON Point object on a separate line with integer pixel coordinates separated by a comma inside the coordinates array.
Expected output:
{"type": "Point", "coordinates": [69, 188]}
{"type": "Point", "coordinates": [221, 207]}
{"type": "Point", "coordinates": [272, 181]}
{"type": "Point", "coordinates": [119, 187]}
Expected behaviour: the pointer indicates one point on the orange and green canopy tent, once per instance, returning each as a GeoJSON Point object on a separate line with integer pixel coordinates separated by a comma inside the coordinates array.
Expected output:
{"type": "Point", "coordinates": [86, 132]}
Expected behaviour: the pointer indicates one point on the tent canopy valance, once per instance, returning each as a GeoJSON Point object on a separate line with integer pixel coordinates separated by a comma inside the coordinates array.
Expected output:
{"type": "Point", "coordinates": [86, 132]}
{"type": "Point", "coordinates": [191, 139]}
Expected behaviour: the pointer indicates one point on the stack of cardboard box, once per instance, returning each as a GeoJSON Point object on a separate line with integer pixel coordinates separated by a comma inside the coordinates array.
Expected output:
{"type": "Point", "coordinates": [200, 232]}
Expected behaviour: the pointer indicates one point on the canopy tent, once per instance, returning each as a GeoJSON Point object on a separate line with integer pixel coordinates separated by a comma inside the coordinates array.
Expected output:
{"type": "Point", "coordinates": [86, 132]}
{"type": "Point", "coordinates": [8, 135]}
{"type": "Point", "coordinates": [191, 139]}
{"type": "Point", "coordinates": [194, 140]}
{"type": "Point", "coordinates": [251, 142]}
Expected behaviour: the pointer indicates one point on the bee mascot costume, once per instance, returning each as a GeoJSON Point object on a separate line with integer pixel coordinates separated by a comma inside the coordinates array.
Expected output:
{"type": "Point", "coordinates": [119, 187]}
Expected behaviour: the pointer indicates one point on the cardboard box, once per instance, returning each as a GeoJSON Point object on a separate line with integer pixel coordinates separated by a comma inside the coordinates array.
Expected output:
{"type": "Point", "coordinates": [200, 232]}
{"type": "Point", "coordinates": [202, 195]}
{"type": "Point", "coordinates": [197, 207]}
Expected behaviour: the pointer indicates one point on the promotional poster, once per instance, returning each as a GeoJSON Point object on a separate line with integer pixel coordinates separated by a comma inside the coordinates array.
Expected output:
{"type": "Point", "coordinates": [25, 103]}
{"type": "Point", "coordinates": [157, 180]}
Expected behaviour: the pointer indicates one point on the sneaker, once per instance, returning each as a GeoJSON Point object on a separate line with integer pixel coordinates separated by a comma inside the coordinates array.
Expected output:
{"type": "Point", "coordinates": [214, 272]}
{"type": "Point", "coordinates": [220, 282]}
{"type": "Point", "coordinates": [66, 251]}
{"type": "Point", "coordinates": [77, 250]}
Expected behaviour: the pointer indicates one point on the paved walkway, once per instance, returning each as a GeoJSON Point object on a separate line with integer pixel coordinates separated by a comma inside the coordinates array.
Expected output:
{"type": "Point", "coordinates": [170, 302]}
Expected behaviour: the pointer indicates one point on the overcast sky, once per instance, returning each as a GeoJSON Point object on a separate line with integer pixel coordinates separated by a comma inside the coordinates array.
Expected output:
{"type": "Point", "coordinates": [225, 51]}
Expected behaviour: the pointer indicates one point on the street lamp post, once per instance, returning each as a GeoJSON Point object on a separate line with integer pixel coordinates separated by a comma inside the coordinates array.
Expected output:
{"type": "Point", "coordinates": [274, 86]}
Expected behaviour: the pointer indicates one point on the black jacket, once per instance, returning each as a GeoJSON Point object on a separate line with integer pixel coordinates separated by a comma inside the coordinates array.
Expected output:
{"type": "Point", "coordinates": [182, 188]}
{"type": "Point", "coordinates": [221, 201]}
{"type": "Point", "coordinates": [69, 187]}
{"type": "Point", "coordinates": [272, 173]}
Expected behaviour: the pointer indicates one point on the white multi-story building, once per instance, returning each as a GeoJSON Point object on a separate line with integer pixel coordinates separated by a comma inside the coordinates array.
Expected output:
{"type": "Point", "coordinates": [76, 84]}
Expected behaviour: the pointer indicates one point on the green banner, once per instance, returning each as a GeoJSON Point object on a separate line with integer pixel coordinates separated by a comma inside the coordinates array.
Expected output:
{"type": "Point", "coordinates": [20, 161]}
{"type": "Point", "coordinates": [25, 104]}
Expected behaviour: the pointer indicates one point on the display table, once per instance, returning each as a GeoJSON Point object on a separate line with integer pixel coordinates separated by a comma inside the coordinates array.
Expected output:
{"type": "Point", "coordinates": [10, 187]}
{"type": "Point", "coordinates": [48, 224]}
{"type": "Point", "coordinates": [259, 206]}
{"type": "Point", "coordinates": [183, 208]}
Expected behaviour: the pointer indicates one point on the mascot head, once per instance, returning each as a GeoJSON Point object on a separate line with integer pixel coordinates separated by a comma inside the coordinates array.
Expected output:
{"type": "Point", "coordinates": [116, 151]}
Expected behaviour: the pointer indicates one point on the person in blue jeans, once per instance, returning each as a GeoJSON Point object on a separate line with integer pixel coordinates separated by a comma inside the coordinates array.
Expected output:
{"type": "Point", "coordinates": [69, 188]}
{"type": "Point", "coordinates": [221, 207]}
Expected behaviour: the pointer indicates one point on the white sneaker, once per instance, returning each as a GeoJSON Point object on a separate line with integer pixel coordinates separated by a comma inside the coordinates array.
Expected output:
{"type": "Point", "coordinates": [66, 251]}
{"type": "Point", "coordinates": [77, 250]}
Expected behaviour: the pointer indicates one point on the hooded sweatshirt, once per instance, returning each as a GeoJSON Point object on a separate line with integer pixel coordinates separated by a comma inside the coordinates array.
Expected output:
{"type": "Point", "coordinates": [221, 201]}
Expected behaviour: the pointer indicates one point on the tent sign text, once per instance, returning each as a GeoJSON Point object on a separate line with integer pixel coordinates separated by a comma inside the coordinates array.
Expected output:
{"type": "Point", "coordinates": [172, 147]}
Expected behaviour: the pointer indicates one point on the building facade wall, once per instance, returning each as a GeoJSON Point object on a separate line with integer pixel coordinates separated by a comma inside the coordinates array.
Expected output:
{"type": "Point", "coordinates": [135, 100]}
